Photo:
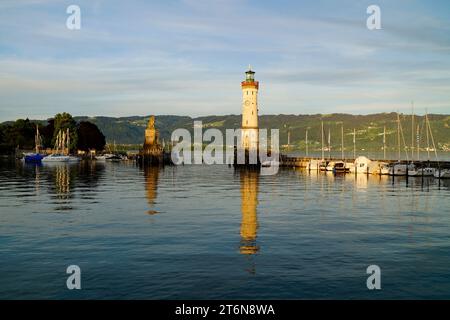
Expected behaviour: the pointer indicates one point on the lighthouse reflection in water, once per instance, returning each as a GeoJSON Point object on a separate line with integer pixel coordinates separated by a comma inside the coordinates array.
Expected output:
{"type": "Point", "coordinates": [249, 203]}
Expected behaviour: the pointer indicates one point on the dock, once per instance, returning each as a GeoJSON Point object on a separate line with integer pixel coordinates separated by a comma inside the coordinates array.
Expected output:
{"type": "Point", "coordinates": [304, 162]}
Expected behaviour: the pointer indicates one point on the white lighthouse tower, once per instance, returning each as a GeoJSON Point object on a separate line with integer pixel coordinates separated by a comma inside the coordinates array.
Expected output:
{"type": "Point", "coordinates": [249, 129]}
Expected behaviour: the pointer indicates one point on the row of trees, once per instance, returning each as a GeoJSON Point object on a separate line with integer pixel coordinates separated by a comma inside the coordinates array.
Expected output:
{"type": "Point", "coordinates": [83, 135]}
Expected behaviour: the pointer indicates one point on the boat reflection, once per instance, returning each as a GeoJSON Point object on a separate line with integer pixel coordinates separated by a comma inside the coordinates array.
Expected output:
{"type": "Point", "coordinates": [249, 202]}
{"type": "Point", "coordinates": [62, 181]}
{"type": "Point", "coordinates": [151, 176]}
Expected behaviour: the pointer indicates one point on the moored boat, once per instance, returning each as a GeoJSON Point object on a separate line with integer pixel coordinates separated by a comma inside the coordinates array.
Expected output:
{"type": "Point", "coordinates": [56, 158]}
{"type": "Point", "coordinates": [113, 157]}
{"type": "Point", "coordinates": [442, 173]}
{"type": "Point", "coordinates": [426, 172]}
{"type": "Point", "coordinates": [323, 165]}
{"type": "Point", "coordinates": [339, 167]}
{"type": "Point", "coordinates": [384, 169]}
{"type": "Point", "coordinates": [401, 169]}
{"type": "Point", "coordinates": [330, 166]}
{"type": "Point", "coordinates": [35, 157]}
{"type": "Point", "coordinates": [74, 159]}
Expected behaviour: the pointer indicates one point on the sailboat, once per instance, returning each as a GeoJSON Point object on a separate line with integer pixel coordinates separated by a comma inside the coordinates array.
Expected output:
{"type": "Point", "coordinates": [323, 162]}
{"type": "Point", "coordinates": [401, 169]}
{"type": "Point", "coordinates": [425, 171]}
{"type": "Point", "coordinates": [35, 157]}
{"type": "Point", "coordinates": [60, 145]}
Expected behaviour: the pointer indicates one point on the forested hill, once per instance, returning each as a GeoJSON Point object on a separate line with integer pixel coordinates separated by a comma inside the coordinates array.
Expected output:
{"type": "Point", "coordinates": [369, 128]}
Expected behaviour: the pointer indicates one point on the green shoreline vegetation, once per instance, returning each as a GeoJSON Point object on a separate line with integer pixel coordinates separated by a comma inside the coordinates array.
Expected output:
{"type": "Point", "coordinates": [20, 134]}
{"type": "Point", "coordinates": [127, 133]}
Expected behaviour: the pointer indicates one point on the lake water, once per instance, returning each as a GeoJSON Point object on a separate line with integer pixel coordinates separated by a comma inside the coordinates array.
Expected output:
{"type": "Point", "coordinates": [210, 232]}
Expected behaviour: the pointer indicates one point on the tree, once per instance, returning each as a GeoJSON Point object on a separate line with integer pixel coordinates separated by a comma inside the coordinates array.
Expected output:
{"type": "Point", "coordinates": [90, 137]}
{"type": "Point", "coordinates": [64, 121]}
{"type": "Point", "coordinates": [21, 133]}
{"type": "Point", "coordinates": [47, 133]}
{"type": "Point", "coordinates": [2, 134]}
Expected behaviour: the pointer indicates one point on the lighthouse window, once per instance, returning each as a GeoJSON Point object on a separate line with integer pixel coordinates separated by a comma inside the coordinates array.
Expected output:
{"type": "Point", "coordinates": [252, 112]}
{"type": "Point", "coordinates": [246, 122]}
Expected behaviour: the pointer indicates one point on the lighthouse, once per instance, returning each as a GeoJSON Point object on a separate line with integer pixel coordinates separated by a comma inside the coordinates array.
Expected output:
{"type": "Point", "coordinates": [249, 128]}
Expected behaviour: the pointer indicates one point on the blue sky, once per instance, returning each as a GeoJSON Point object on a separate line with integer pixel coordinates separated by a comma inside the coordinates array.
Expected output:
{"type": "Point", "coordinates": [187, 57]}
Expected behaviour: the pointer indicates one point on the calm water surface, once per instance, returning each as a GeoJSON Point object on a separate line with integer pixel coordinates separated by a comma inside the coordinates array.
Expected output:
{"type": "Point", "coordinates": [213, 232]}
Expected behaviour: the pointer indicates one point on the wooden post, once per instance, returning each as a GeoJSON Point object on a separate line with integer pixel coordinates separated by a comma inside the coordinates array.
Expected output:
{"type": "Point", "coordinates": [393, 173]}
{"type": "Point", "coordinates": [422, 176]}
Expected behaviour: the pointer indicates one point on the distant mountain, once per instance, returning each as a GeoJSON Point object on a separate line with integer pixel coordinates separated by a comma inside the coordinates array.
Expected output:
{"type": "Point", "coordinates": [369, 128]}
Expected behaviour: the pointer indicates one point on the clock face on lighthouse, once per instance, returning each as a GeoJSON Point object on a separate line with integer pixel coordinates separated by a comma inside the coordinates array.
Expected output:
{"type": "Point", "coordinates": [247, 102]}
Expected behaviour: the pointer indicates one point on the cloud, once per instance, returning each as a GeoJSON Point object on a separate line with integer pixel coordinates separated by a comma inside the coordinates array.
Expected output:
{"type": "Point", "coordinates": [188, 57]}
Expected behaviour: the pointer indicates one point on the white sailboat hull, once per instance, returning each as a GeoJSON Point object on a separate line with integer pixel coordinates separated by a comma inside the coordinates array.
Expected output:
{"type": "Point", "coordinates": [56, 158]}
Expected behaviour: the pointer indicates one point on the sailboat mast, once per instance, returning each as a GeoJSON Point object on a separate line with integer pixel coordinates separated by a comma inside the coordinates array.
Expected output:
{"type": "Point", "coordinates": [398, 137]}
{"type": "Point", "coordinates": [322, 142]}
{"type": "Point", "coordinates": [289, 138]}
{"type": "Point", "coordinates": [329, 143]}
{"type": "Point", "coordinates": [384, 142]}
{"type": "Point", "coordinates": [342, 140]}
{"type": "Point", "coordinates": [63, 142]}
{"type": "Point", "coordinates": [418, 142]}
{"type": "Point", "coordinates": [56, 147]}
{"type": "Point", "coordinates": [354, 143]}
{"type": "Point", "coordinates": [428, 137]}
{"type": "Point", "coordinates": [412, 132]}
{"type": "Point", "coordinates": [37, 142]}
{"type": "Point", "coordinates": [306, 142]}
{"type": "Point", "coordinates": [432, 139]}
{"type": "Point", "coordinates": [68, 141]}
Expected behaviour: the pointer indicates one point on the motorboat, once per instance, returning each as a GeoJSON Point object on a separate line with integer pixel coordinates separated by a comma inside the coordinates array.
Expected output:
{"type": "Point", "coordinates": [270, 163]}
{"type": "Point", "coordinates": [330, 166]}
{"type": "Point", "coordinates": [384, 169]}
{"type": "Point", "coordinates": [419, 172]}
{"type": "Point", "coordinates": [323, 165]}
{"type": "Point", "coordinates": [113, 157]}
{"type": "Point", "coordinates": [339, 167]}
{"type": "Point", "coordinates": [400, 169]}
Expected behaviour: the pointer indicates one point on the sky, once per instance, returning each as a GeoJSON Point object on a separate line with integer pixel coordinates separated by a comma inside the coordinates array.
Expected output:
{"type": "Point", "coordinates": [187, 57]}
